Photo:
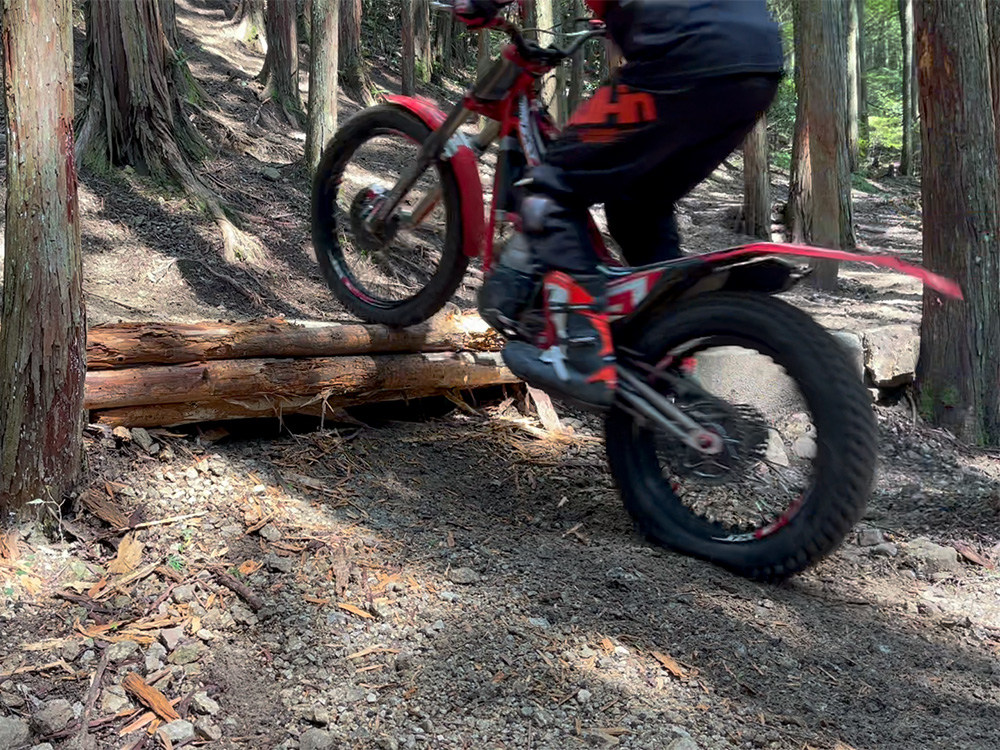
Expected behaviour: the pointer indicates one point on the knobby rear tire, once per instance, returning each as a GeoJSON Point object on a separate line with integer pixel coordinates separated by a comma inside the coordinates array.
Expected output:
{"type": "Point", "coordinates": [370, 123]}
{"type": "Point", "coordinates": [840, 406]}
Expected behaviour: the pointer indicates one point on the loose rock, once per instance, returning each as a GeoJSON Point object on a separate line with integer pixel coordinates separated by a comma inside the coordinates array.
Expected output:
{"type": "Point", "coordinates": [315, 739]}
{"type": "Point", "coordinates": [203, 704]}
{"type": "Point", "coordinates": [171, 637]}
{"type": "Point", "coordinates": [122, 650]}
{"type": "Point", "coordinates": [178, 731]}
{"type": "Point", "coordinates": [54, 717]}
{"type": "Point", "coordinates": [463, 576]}
{"type": "Point", "coordinates": [886, 549]}
{"type": "Point", "coordinates": [935, 558]}
{"type": "Point", "coordinates": [208, 730]}
{"type": "Point", "coordinates": [186, 654]}
{"type": "Point", "coordinates": [13, 732]}
{"type": "Point", "coordinates": [891, 354]}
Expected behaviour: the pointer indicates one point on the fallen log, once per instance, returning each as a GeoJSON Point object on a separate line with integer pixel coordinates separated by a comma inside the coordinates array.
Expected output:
{"type": "Point", "coordinates": [169, 395]}
{"type": "Point", "coordinates": [122, 345]}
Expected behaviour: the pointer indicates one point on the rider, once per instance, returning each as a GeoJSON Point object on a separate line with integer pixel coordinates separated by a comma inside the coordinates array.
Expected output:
{"type": "Point", "coordinates": [698, 75]}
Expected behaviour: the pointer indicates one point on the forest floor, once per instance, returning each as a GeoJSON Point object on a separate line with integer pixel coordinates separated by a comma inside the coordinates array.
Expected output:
{"type": "Point", "coordinates": [449, 578]}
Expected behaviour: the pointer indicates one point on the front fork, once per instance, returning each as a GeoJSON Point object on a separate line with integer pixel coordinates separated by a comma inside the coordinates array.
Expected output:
{"type": "Point", "coordinates": [442, 142]}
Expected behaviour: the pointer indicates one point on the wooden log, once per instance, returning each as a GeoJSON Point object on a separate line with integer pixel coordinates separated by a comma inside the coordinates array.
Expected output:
{"type": "Point", "coordinates": [175, 415]}
{"type": "Point", "coordinates": [355, 376]}
{"type": "Point", "coordinates": [131, 344]}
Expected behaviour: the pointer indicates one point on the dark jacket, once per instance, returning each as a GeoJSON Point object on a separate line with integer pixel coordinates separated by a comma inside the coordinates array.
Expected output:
{"type": "Point", "coordinates": [671, 44]}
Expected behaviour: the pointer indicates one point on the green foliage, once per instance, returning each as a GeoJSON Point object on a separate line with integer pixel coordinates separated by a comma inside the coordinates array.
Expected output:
{"type": "Point", "coordinates": [862, 184]}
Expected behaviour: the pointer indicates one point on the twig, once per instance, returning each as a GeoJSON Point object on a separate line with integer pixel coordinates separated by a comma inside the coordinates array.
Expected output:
{"type": "Point", "coordinates": [95, 687]}
{"type": "Point", "coordinates": [240, 589]}
{"type": "Point", "coordinates": [161, 521]}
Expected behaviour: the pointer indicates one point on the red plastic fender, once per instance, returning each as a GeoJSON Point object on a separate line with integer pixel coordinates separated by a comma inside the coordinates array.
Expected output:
{"type": "Point", "coordinates": [466, 168]}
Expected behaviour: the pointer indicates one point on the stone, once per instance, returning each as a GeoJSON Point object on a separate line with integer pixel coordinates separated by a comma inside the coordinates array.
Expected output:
{"type": "Point", "coordinates": [683, 743]}
{"type": "Point", "coordinates": [180, 730]}
{"type": "Point", "coordinates": [121, 651]}
{"type": "Point", "coordinates": [539, 622]}
{"type": "Point", "coordinates": [886, 549]}
{"type": "Point", "coordinates": [191, 473]}
{"type": "Point", "coordinates": [464, 576]}
{"type": "Point", "coordinates": [11, 700]}
{"type": "Point", "coordinates": [388, 743]}
{"type": "Point", "coordinates": [171, 637]}
{"type": "Point", "coordinates": [775, 453]}
{"type": "Point", "coordinates": [43, 746]}
{"type": "Point", "coordinates": [140, 436]}
{"type": "Point", "coordinates": [183, 594]}
{"type": "Point", "coordinates": [155, 654]}
{"type": "Point", "coordinates": [13, 732]}
{"type": "Point", "coordinates": [280, 564]}
{"type": "Point", "coordinates": [621, 652]}
{"type": "Point", "coordinates": [206, 729]}
{"type": "Point", "coordinates": [891, 354]}
{"type": "Point", "coordinates": [71, 650]}
{"type": "Point", "coordinates": [203, 704]}
{"type": "Point", "coordinates": [869, 537]}
{"type": "Point", "coordinates": [935, 558]}
{"type": "Point", "coordinates": [804, 448]}
{"type": "Point", "coordinates": [583, 697]}
{"type": "Point", "coordinates": [272, 174]}
{"type": "Point", "coordinates": [114, 699]}
{"type": "Point", "coordinates": [315, 739]}
{"type": "Point", "coordinates": [854, 348]}
{"type": "Point", "coordinates": [270, 533]}
{"type": "Point", "coordinates": [187, 653]}
{"type": "Point", "coordinates": [54, 717]}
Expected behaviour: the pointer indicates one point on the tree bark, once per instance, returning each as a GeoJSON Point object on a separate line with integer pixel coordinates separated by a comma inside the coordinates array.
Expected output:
{"type": "Point", "coordinates": [280, 74]}
{"type": "Point", "coordinates": [958, 373]}
{"type": "Point", "coordinates": [135, 115]}
{"type": "Point", "coordinates": [408, 72]}
{"type": "Point", "coordinates": [353, 76]}
{"type": "Point", "coordinates": [863, 129]}
{"type": "Point", "coordinates": [124, 345]}
{"type": "Point", "coordinates": [250, 24]}
{"type": "Point", "coordinates": [43, 328]}
{"type": "Point", "coordinates": [322, 78]}
{"type": "Point", "coordinates": [906, 36]}
{"type": "Point", "coordinates": [823, 78]}
{"type": "Point", "coordinates": [853, 83]}
{"type": "Point", "coordinates": [422, 39]}
{"type": "Point", "coordinates": [546, 21]}
{"type": "Point", "coordinates": [798, 212]}
{"type": "Point", "coordinates": [756, 216]}
{"type": "Point", "coordinates": [359, 377]}
{"type": "Point", "coordinates": [447, 42]}
{"type": "Point", "coordinates": [993, 28]}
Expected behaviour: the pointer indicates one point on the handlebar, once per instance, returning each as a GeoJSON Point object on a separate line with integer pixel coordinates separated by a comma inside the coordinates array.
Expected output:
{"type": "Point", "coordinates": [529, 50]}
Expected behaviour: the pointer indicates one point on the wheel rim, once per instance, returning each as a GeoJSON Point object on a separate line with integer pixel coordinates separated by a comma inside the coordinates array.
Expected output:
{"type": "Point", "coordinates": [769, 484]}
{"type": "Point", "coordinates": [384, 273]}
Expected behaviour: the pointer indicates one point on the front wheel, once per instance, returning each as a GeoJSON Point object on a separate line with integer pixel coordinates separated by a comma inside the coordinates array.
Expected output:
{"type": "Point", "coordinates": [408, 272]}
{"type": "Point", "coordinates": [795, 473]}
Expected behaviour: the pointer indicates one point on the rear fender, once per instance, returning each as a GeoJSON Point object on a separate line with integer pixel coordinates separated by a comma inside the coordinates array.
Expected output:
{"type": "Point", "coordinates": [465, 166]}
{"type": "Point", "coordinates": [754, 268]}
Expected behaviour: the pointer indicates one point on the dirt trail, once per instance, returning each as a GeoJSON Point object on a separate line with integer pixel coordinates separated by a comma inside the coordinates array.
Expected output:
{"type": "Point", "coordinates": [494, 594]}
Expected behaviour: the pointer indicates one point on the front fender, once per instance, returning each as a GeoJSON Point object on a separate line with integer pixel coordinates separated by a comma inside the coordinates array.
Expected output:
{"type": "Point", "coordinates": [466, 168]}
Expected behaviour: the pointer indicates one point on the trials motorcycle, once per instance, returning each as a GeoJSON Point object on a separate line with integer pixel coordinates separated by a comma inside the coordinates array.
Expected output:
{"type": "Point", "coordinates": [398, 213]}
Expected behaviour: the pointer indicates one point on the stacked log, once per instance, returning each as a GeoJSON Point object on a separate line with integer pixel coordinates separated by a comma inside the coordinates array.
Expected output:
{"type": "Point", "coordinates": [164, 375]}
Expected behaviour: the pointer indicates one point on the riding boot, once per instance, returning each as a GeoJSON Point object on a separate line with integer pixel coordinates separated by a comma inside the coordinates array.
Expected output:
{"type": "Point", "coordinates": [578, 361]}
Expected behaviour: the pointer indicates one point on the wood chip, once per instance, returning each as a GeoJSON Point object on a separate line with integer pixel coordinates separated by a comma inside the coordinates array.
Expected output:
{"type": "Point", "coordinates": [966, 551]}
{"type": "Point", "coordinates": [315, 599]}
{"type": "Point", "coordinates": [669, 664]}
{"type": "Point", "coordinates": [546, 411]}
{"type": "Point", "coordinates": [128, 558]}
{"type": "Point", "coordinates": [126, 580]}
{"type": "Point", "coordinates": [372, 650]}
{"type": "Point", "coordinates": [8, 546]}
{"type": "Point", "coordinates": [104, 509]}
{"type": "Point", "coordinates": [150, 697]}
{"type": "Point", "coordinates": [355, 610]}
{"type": "Point", "coordinates": [249, 567]}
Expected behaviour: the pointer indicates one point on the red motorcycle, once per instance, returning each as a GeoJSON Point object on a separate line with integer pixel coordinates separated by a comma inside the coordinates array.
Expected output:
{"type": "Point", "coordinates": [398, 212]}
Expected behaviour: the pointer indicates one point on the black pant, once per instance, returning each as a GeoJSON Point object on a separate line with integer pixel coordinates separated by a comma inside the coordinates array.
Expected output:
{"type": "Point", "coordinates": [638, 153]}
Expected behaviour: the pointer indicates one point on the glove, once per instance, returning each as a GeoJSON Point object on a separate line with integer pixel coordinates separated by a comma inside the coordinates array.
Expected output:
{"type": "Point", "coordinates": [479, 14]}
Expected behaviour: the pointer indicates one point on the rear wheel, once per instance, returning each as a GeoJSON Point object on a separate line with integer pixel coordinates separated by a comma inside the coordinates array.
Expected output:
{"type": "Point", "coordinates": [779, 498]}
{"type": "Point", "coordinates": [408, 273]}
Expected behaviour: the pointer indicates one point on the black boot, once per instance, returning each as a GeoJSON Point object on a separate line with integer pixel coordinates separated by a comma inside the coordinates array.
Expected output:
{"type": "Point", "coordinates": [578, 360]}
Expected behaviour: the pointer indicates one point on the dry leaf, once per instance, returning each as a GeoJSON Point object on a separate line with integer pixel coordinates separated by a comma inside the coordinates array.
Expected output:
{"type": "Point", "coordinates": [669, 664]}
{"type": "Point", "coordinates": [96, 588]}
{"type": "Point", "coordinates": [315, 599]}
{"type": "Point", "coordinates": [498, 677]}
{"type": "Point", "coordinates": [149, 696]}
{"type": "Point", "coordinates": [607, 646]}
{"type": "Point", "coordinates": [354, 610]}
{"type": "Point", "coordinates": [249, 567]}
{"type": "Point", "coordinates": [451, 539]}
{"type": "Point", "coordinates": [128, 557]}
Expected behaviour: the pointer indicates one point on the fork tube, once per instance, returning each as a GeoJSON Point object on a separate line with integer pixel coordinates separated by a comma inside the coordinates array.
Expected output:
{"type": "Point", "coordinates": [429, 151]}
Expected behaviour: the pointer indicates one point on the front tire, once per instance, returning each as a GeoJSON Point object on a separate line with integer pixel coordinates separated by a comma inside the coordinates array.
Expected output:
{"type": "Point", "coordinates": [434, 288]}
{"type": "Point", "coordinates": [844, 465]}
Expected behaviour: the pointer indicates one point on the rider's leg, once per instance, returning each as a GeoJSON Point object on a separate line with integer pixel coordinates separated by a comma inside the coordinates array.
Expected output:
{"type": "Point", "coordinates": [617, 140]}
{"type": "Point", "coordinates": [644, 228]}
